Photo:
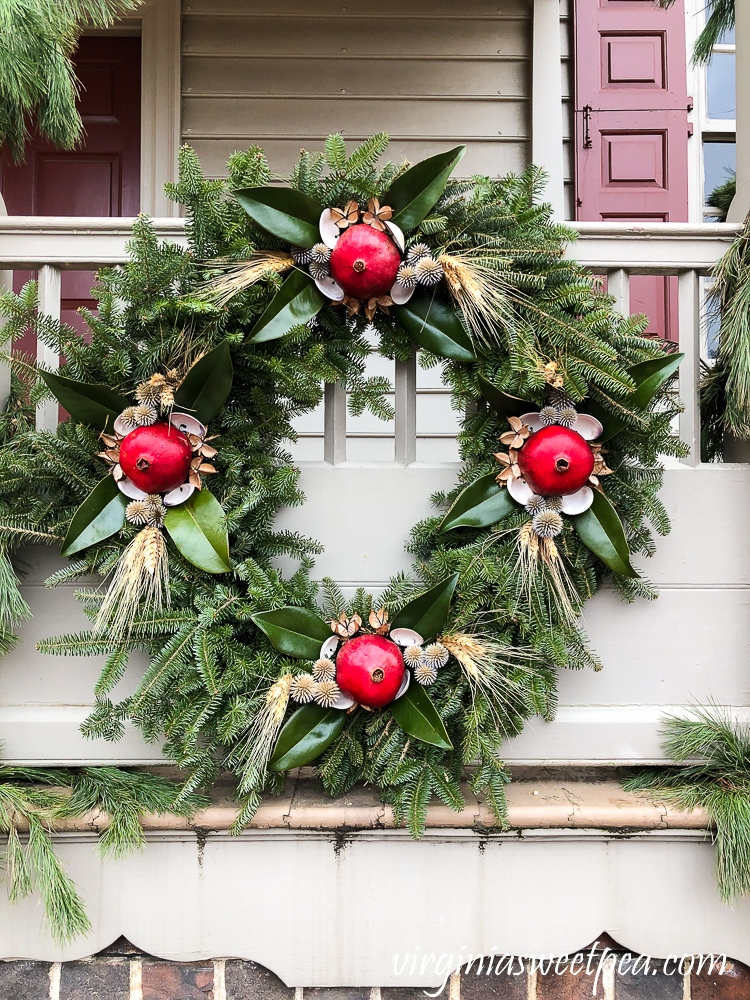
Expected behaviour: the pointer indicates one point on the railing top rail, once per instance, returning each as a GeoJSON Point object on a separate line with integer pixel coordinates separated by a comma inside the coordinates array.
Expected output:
{"type": "Point", "coordinates": [74, 243]}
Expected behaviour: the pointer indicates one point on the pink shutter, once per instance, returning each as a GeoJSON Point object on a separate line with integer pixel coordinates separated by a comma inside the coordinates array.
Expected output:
{"type": "Point", "coordinates": [631, 127]}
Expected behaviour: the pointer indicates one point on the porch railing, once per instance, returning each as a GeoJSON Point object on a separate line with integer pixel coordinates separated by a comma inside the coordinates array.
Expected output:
{"type": "Point", "coordinates": [617, 250]}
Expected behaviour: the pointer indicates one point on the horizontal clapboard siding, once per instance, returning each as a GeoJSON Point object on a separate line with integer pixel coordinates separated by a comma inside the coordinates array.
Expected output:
{"type": "Point", "coordinates": [287, 74]}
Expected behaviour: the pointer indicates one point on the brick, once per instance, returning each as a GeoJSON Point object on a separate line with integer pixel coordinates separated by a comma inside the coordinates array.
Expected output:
{"type": "Point", "coordinates": [569, 978]}
{"type": "Point", "coordinates": [337, 993]}
{"type": "Point", "coordinates": [407, 992]}
{"type": "Point", "coordinates": [95, 980]}
{"type": "Point", "coordinates": [732, 984]}
{"type": "Point", "coordinates": [500, 984]}
{"type": "Point", "coordinates": [177, 980]}
{"type": "Point", "coordinates": [248, 981]}
{"type": "Point", "coordinates": [651, 983]}
{"type": "Point", "coordinates": [121, 947]}
{"type": "Point", "coordinates": [24, 980]}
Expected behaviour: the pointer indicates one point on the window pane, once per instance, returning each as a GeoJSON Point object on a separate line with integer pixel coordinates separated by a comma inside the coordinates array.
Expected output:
{"type": "Point", "coordinates": [720, 85]}
{"type": "Point", "coordinates": [719, 162]}
{"type": "Point", "coordinates": [727, 37]}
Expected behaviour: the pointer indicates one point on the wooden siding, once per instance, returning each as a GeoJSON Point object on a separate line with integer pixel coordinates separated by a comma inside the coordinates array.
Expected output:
{"type": "Point", "coordinates": [286, 74]}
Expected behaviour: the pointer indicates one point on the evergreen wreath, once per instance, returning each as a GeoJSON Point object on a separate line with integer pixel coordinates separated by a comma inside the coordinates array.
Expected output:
{"type": "Point", "coordinates": [247, 671]}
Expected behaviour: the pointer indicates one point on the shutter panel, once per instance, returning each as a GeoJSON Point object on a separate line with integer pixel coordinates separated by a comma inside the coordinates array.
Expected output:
{"type": "Point", "coordinates": [632, 128]}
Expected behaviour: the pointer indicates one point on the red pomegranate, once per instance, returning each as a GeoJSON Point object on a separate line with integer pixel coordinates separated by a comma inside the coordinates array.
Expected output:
{"type": "Point", "coordinates": [370, 669]}
{"type": "Point", "coordinates": [556, 461]}
{"type": "Point", "coordinates": [364, 262]}
{"type": "Point", "coordinates": [156, 458]}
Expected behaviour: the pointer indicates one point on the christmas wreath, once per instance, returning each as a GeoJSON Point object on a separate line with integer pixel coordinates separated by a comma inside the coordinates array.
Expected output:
{"type": "Point", "coordinates": [281, 290]}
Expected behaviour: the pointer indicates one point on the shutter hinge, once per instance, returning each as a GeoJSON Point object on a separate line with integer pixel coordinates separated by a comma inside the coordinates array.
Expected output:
{"type": "Point", "coordinates": [587, 109]}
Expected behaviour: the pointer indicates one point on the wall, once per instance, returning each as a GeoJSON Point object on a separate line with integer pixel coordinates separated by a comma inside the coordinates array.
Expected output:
{"type": "Point", "coordinates": [432, 74]}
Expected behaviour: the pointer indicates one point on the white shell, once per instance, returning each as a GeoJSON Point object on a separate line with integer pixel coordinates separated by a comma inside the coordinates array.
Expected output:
{"type": "Point", "coordinates": [400, 294]}
{"type": "Point", "coordinates": [520, 490]}
{"type": "Point", "coordinates": [343, 701]}
{"type": "Point", "coordinates": [328, 647]}
{"type": "Point", "coordinates": [404, 684]}
{"type": "Point", "coordinates": [397, 235]}
{"type": "Point", "coordinates": [130, 489]}
{"type": "Point", "coordinates": [577, 503]}
{"type": "Point", "coordinates": [588, 427]}
{"type": "Point", "coordinates": [532, 420]}
{"type": "Point", "coordinates": [178, 496]}
{"type": "Point", "coordinates": [330, 289]}
{"type": "Point", "coordinates": [406, 637]}
{"type": "Point", "coordinates": [121, 427]}
{"type": "Point", "coordinates": [187, 424]}
{"type": "Point", "coordinates": [329, 231]}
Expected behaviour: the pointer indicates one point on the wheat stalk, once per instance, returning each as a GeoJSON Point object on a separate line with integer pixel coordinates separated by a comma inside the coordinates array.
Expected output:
{"type": "Point", "coordinates": [141, 577]}
{"type": "Point", "coordinates": [241, 274]}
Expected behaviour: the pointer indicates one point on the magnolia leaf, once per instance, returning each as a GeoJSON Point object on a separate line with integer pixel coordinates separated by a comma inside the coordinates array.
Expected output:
{"type": "Point", "coordinates": [435, 326]}
{"type": "Point", "coordinates": [294, 631]}
{"type": "Point", "coordinates": [206, 387]}
{"type": "Point", "coordinates": [426, 614]}
{"type": "Point", "coordinates": [296, 302]}
{"type": "Point", "coordinates": [100, 515]}
{"type": "Point", "coordinates": [601, 530]}
{"type": "Point", "coordinates": [418, 717]}
{"type": "Point", "coordinates": [95, 405]}
{"type": "Point", "coordinates": [415, 192]}
{"type": "Point", "coordinates": [283, 212]}
{"type": "Point", "coordinates": [649, 377]}
{"type": "Point", "coordinates": [482, 503]}
{"type": "Point", "coordinates": [198, 530]}
{"type": "Point", "coordinates": [305, 736]}
{"type": "Point", "coordinates": [503, 404]}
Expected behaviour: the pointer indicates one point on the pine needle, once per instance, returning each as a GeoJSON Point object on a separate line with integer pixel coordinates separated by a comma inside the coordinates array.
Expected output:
{"type": "Point", "coordinates": [712, 750]}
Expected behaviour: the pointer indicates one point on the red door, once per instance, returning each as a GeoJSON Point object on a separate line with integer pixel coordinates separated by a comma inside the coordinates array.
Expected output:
{"type": "Point", "coordinates": [632, 129]}
{"type": "Point", "coordinates": [102, 177]}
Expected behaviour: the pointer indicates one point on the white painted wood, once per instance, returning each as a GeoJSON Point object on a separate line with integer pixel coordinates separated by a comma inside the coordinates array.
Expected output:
{"type": "Point", "coordinates": [546, 101]}
{"type": "Point", "coordinates": [265, 891]}
{"type": "Point", "coordinates": [689, 333]}
{"type": "Point", "coordinates": [161, 22]}
{"type": "Point", "coordinates": [406, 411]}
{"type": "Point", "coordinates": [650, 248]}
{"type": "Point", "coordinates": [73, 244]}
{"type": "Point", "coordinates": [6, 285]}
{"type": "Point", "coordinates": [618, 285]}
{"type": "Point", "coordinates": [49, 304]}
{"type": "Point", "coordinates": [335, 423]}
{"type": "Point", "coordinates": [741, 202]}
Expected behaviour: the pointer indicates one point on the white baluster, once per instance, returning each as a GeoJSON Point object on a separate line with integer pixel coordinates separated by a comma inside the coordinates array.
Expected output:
{"type": "Point", "coordinates": [406, 411]}
{"type": "Point", "coordinates": [618, 285]}
{"type": "Point", "coordinates": [49, 304]}
{"type": "Point", "coordinates": [690, 345]}
{"type": "Point", "coordinates": [334, 443]}
{"type": "Point", "coordinates": [6, 285]}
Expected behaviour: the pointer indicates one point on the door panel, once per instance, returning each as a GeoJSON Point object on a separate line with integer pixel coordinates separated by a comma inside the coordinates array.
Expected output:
{"type": "Point", "coordinates": [102, 177]}
{"type": "Point", "coordinates": [632, 129]}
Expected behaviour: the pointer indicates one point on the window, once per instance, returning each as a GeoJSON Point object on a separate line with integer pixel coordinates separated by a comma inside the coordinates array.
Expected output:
{"type": "Point", "coordinates": [714, 119]}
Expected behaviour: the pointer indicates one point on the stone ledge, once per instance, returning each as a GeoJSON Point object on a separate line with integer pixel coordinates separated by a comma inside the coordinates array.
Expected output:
{"type": "Point", "coordinates": [547, 803]}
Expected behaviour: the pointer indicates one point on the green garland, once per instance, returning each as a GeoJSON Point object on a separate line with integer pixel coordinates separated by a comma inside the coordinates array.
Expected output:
{"type": "Point", "coordinates": [213, 672]}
